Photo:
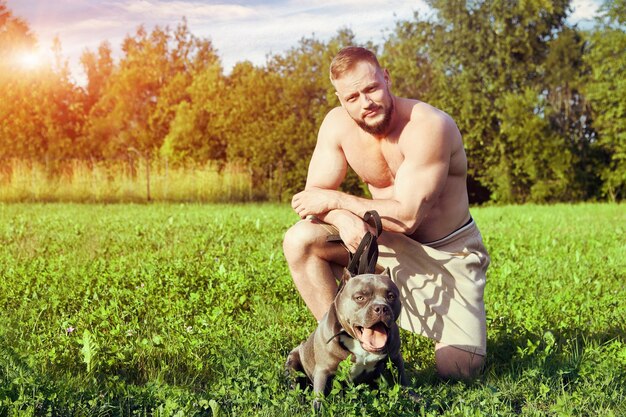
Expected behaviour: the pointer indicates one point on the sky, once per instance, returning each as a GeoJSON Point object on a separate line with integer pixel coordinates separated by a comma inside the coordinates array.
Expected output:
{"type": "Point", "coordinates": [239, 30]}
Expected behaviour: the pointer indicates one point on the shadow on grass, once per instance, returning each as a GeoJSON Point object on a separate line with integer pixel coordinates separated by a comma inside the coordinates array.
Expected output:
{"type": "Point", "coordinates": [565, 365]}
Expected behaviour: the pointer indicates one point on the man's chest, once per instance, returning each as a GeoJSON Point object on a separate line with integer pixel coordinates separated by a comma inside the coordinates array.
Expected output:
{"type": "Point", "coordinates": [375, 162]}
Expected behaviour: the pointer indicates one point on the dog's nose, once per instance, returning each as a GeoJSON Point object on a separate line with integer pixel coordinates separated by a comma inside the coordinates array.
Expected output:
{"type": "Point", "coordinates": [381, 309]}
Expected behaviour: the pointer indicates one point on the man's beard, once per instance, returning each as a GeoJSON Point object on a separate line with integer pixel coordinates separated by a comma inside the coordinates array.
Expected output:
{"type": "Point", "coordinates": [380, 127]}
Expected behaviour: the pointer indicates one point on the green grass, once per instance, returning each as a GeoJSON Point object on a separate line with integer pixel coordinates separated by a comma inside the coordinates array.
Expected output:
{"type": "Point", "coordinates": [190, 310]}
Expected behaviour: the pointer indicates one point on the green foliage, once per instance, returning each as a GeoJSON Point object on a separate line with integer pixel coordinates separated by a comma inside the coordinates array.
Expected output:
{"type": "Point", "coordinates": [139, 98]}
{"type": "Point", "coordinates": [406, 55]}
{"type": "Point", "coordinates": [190, 310]}
{"type": "Point", "coordinates": [606, 89]}
{"type": "Point", "coordinates": [537, 166]}
{"type": "Point", "coordinates": [538, 101]}
{"type": "Point", "coordinates": [41, 115]}
{"type": "Point", "coordinates": [487, 64]}
{"type": "Point", "coordinates": [258, 121]}
{"type": "Point", "coordinates": [274, 114]}
{"type": "Point", "coordinates": [197, 129]}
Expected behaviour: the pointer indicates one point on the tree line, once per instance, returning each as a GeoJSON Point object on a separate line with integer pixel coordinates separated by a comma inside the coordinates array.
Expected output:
{"type": "Point", "coordinates": [541, 103]}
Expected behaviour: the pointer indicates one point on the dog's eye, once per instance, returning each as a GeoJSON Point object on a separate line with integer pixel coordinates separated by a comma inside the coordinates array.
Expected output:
{"type": "Point", "coordinates": [359, 298]}
{"type": "Point", "coordinates": [391, 296]}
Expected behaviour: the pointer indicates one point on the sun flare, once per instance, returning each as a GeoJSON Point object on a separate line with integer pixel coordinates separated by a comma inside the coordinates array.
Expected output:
{"type": "Point", "coordinates": [30, 60]}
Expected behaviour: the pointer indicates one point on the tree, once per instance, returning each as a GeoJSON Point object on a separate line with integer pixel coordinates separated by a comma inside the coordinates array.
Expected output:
{"type": "Point", "coordinates": [406, 56]}
{"type": "Point", "coordinates": [530, 168]}
{"type": "Point", "coordinates": [139, 100]}
{"type": "Point", "coordinates": [43, 120]}
{"type": "Point", "coordinates": [278, 112]}
{"type": "Point", "coordinates": [256, 119]}
{"type": "Point", "coordinates": [197, 131]}
{"type": "Point", "coordinates": [569, 112]}
{"type": "Point", "coordinates": [606, 89]}
{"type": "Point", "coordinates": [472, 60]}
{"type": "Point", "coordinates": [98, 68]}
{"type": "Point", "coordinates": [40, 111]}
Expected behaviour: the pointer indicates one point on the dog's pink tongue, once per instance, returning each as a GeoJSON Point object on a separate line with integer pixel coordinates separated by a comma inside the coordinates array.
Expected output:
{"type": "Point", "coordinates": [375, 337]}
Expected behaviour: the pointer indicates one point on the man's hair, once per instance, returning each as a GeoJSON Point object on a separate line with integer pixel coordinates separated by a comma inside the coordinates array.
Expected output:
{"type": "Point", "coordinates": [347, 58]}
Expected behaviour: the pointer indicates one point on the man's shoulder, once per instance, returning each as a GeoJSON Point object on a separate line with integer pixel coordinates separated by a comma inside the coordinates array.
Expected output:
{"type": "Point", "coordinates": [428, 127]}
{"type": "Point", "coordinates": [337, 115]}
{"type": "Point", "coordinates": [422, 112]}
{"type": "Point", "coordinates": [336, 124]}
{"type": "Point", "coordinates": [426, 119]}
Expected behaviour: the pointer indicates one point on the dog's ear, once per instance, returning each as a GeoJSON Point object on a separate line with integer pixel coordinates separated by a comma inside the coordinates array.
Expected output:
{"type": "Point", "coordinates": [334, 328]}
{"type": "Point", "coordinates": [387, 272]}
{"type": "Point", "coordinates": [346, 275]}
{"type": "Point", "coordinates": [344, 279]}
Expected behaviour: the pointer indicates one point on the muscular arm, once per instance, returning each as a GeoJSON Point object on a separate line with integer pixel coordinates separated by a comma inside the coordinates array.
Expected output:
{"type": "Point", "coordinates": [417, 186]}
{"type": "Point", "coordinates": [327, 170]}
{"type": "Point", "coordinates": [328, 165]}
{"type": "Point", "coordinates": [418, 182]}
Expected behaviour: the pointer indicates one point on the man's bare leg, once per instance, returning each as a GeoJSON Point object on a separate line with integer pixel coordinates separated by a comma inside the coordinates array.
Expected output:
{"type": "Point", "coordinates": [315, 265]}
{"type": "Point", "coordinates": [457, 364]}
{"type": "Point", "coordinates": [311, 260]}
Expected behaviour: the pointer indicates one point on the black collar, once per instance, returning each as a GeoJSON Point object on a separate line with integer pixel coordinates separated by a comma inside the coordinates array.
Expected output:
{"type": "Point", "coordinates": [340, 333]}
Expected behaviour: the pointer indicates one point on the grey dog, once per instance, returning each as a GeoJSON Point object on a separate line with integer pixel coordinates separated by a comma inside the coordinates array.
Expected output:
{"type": "Point", "coordinates": [360, 323]}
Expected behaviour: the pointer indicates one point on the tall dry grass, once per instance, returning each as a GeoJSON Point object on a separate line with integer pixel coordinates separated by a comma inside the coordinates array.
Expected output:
{"type": "Point", "coordinates": [123, 181]}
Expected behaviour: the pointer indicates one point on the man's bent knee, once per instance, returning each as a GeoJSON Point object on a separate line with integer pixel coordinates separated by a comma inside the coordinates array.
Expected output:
{"type": "Point", "coordinates": [297, 239]}
{"type": "Point", "coordinates": [301, 238]}
{"type": "Point", "coordinates": [457, 364]}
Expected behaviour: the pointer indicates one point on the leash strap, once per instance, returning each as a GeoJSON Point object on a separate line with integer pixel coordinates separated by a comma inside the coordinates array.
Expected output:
{"type": "Point", "coordinates": [363, 261]}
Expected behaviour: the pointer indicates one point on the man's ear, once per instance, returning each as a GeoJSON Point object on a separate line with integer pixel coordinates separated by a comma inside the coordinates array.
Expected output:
{"type": "Point", "coordinates": [387, 77]}
{"type": "Point", "coordinates": [339, 98]}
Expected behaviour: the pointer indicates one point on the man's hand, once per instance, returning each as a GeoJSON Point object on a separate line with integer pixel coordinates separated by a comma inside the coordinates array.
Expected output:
{"type": "Point", "coordinates": [314, 201]}
{"type": "Point", "coordinates": [351, 228]}
{"type": "Point", "coordinates": [352, 232]}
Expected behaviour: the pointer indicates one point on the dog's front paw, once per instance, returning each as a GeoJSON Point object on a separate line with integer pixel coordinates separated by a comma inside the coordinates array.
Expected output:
{"type": "Point", "coordinates": [413, 396]}
{"type": "Point", "coordinates": [317, 405]}
{"type": "Point", "coordinates": [294, 373]}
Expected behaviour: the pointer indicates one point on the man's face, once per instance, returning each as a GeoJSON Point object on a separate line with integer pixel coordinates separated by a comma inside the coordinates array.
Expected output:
{"type": "Point", "coordinates": [364, 93]}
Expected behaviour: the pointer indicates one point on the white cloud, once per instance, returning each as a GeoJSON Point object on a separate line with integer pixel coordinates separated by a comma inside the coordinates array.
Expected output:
{"type": "Point", "coordinates": [278, 27]}
{"type": "Point", "coordinates": [583, 10]}
{"type": "Point", "coordinates": [93, 25]}
{"type": "Point", "coordinates": [177, 9]}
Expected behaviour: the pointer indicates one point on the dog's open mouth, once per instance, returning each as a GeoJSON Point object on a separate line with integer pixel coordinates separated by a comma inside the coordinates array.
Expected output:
{"type": "Point", "coordinates": [373, 339]}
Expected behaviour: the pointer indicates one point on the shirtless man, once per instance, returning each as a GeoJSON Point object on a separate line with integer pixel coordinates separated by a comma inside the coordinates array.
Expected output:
{"type": "Point", "coordinates": [411, 156]}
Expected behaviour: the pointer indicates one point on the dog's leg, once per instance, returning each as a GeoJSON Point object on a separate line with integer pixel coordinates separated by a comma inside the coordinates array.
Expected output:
{"type": "Point", "coordinates": [399, 364]}
{"type": "Point", "coordinates": [293, 361]}
{"type": "Point", "coordinates": [320, 380]}
{"type": "Point", "coordinates": [293, 367]}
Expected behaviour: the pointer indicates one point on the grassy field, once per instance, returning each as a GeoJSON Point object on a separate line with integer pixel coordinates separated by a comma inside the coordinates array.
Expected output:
{"type": "Point", "coordinates": [176, 310]}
